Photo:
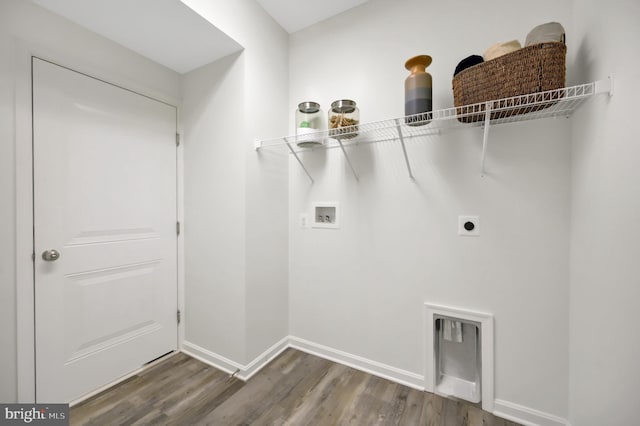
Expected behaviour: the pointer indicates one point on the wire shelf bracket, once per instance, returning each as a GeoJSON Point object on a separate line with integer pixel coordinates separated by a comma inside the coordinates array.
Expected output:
{"type": "Point", "coordinates": [604, 86]}
{"type": "Point", "coordinates": [534, 106]}
{"type": "Point", "coordinates": [404, 148]}
{"type": "Point", "coordinates": [485, 136]}
{"type": "Point", "coordinates": [348, 160]}
{"type": "Point", "coordinates": [295, 154]}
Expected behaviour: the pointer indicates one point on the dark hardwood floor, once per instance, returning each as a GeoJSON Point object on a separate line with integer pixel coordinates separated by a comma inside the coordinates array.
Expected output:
{"type": "Point", "coordinates": [294, 389]}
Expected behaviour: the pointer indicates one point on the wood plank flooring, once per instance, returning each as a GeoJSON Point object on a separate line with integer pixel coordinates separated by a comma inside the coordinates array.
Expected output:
{"type": "Point", "coordinates": [294, 389]}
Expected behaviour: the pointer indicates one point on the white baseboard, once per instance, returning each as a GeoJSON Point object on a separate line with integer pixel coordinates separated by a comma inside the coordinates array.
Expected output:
{"type": "Point", "coordinates": [211, 358]}
{"type": "Point", "coordinates": [244, 372]}
{"type": "Point", "coordinates": [505, 409]}
{"type": "Point", "coordinates": [263, 359]}
{"type": "Point", "coordinates": [525, 415]}
{"type": "Point", "coordinates": [388, 372]}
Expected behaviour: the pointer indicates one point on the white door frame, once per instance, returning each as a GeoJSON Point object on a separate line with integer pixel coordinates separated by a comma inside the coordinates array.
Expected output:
{"type": "Point", "coordinates": [25, 295]}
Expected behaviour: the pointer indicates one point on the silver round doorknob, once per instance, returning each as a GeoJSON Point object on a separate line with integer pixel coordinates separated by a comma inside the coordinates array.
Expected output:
{"type": "Point", "coordinates": [51, 255]}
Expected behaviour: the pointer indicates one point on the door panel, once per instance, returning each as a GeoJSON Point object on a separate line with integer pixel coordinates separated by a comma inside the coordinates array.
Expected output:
{"type": "Point", "coordinates": [105, 199]}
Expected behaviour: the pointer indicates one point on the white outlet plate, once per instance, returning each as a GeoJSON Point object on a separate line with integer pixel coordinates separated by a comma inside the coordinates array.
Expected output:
{"type": "Point", "coordinates": [304, 220]}
{"type": "Point", "coordinates": [475, 232]}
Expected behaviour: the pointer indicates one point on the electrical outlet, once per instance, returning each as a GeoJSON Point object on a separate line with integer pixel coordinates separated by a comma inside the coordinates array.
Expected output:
{"type": "Point", "coordinates": [304, 220]}
{"type": "Point", "coordinates": [469, 226]}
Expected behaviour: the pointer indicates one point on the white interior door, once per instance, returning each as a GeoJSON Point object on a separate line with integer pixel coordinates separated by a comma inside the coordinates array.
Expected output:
{"type": "Point", "coordinates": [105, 200]}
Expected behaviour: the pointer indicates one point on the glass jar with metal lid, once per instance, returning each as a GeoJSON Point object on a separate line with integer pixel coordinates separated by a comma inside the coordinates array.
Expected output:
{"type": "Point", "coordinates": [344, 117]}
{"type": "Point", "coordinates": [309, 123]}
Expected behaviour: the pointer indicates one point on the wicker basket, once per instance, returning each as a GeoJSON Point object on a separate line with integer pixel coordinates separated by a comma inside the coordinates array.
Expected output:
{"type": "Point", "coordinates": [532, 69]}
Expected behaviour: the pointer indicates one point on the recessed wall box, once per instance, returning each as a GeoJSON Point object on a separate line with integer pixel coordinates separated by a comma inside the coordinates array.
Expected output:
{"type": "Point", "coordinates": [459, 354]}
{"type": "Point", "coordinates": [326, 215]}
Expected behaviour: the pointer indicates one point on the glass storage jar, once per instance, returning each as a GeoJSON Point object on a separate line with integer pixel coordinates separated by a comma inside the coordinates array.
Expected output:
{"type": "Point", "coordinates": [344, 118]}
{"type": "Point", "coordinates": [308, 124]}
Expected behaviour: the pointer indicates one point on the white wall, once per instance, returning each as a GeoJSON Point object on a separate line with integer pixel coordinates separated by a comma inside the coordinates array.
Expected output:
{"type": "Point", "coordinates": [244, 192]}
{"type": "Point", "coordinates": [361, 289]}
{"type": "Point", "coordinates": [215, 208]}
{"type": "Point", "coordinates": [605, 272]}
{"type": "Point", "coordinates": [26, 28]}
{"type": "Point", "coordinates": [8, 376]}
{"type": "Point", "coordinates": [267, 94]}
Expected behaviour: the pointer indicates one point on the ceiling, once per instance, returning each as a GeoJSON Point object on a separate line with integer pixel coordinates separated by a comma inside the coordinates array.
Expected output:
{"type": "Point", "coordinates": [294, 15]}
{"type": "Point", "coordinates": [161, 30]}
{"type": "Point", "coordinates": [164, 30]}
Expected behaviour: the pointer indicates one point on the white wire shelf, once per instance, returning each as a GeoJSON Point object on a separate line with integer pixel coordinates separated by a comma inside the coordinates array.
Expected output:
{"type": "Point", "coordinates": [553, 103]}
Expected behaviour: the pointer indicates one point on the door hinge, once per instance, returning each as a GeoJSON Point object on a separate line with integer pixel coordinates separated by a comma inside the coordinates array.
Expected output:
{"type": "Point", "coordinates": [33, 256]}
{"type": "Point", "coordinates": [179, 316]}
{"type": "Point", "coordinates": [177, 228]}
{"type": "Point", "coordinates": [177, 139]}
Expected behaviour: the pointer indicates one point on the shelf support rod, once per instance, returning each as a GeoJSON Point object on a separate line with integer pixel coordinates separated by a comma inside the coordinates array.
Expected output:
{"type": "Point", "coordinates": [404, 148]}
{"type": "Point", "coordinates": [295, 154]}
{"type": "Point", "coordinates": [347, 158]}
{"type": "Point", "coordinates": [485, 137]}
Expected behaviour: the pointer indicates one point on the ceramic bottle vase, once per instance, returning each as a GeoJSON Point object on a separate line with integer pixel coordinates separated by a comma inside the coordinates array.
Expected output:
{"type": "Point", "coordinates": [417, 90]}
